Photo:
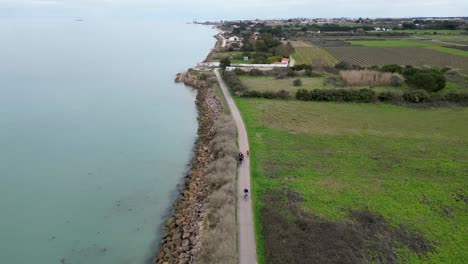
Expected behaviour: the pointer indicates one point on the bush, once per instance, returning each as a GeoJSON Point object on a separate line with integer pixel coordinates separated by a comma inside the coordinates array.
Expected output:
{"type": "Point", "coordinates": [239, 72]}
{"type": "Point", "coordinates": [234, 82]}
{"type": "Point", "coordinates": [445, 69]}
{"type": "Point", "coordinates": [457, 97]}
{"type": "Point", "coordinates": [255, 72]}
{"type": "Point", "coordinates": [430, 80]}
{"type": "Point", "coordinates": [416, 96]}
{"type": "Point", "coordinates": [393, 68]}
{"type": "Point", "coordinates": [389, 97]}
{"type": "Point", "coordinates": [283, 94]}
{"type": "Point", "coordinates": [396, 80]}
{"type": "Point", "coordinates": [203, 76]}
{"type": "Point", "coordinates": [343, 65]}
{"type": "Point", "coordinates": [301, 67]}
{"type": "Point", "coordinates": [297, 82]}
{"type": "Point", "coordinates": [291, 73]}
{"type": "Point", "coordinates": [337, 95]}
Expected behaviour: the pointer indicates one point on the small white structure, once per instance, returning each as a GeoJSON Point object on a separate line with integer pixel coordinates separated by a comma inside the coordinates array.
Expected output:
{"type": "Point", "coordinates": [234, 38]}
{"type": "Point", "coordinates": [246, 58]}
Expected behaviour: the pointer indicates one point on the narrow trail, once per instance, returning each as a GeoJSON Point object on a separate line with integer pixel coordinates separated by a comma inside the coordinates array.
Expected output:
{"type": "Point", "coordinates": [246, 235]}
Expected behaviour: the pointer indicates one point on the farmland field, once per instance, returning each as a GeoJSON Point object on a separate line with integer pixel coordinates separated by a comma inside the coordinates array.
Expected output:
{"type": "Point", "coordinates": [313, 54]}
{"type": "Point", "coordinates": [368, 56]}
{"type": "Point", "coordinates": [358, 183]}
{"type": "Point", "coordinates": [421, 44]}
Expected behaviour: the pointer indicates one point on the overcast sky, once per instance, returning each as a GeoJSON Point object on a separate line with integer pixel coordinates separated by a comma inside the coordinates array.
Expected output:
{"type": "Point", "coordinates": [211, 9]}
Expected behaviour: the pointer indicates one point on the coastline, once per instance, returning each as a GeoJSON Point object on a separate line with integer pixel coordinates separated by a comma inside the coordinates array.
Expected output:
{"type": "Point", "coordinates": [202, 226]}
{"type": "Point", "coordinates": [182, 230]}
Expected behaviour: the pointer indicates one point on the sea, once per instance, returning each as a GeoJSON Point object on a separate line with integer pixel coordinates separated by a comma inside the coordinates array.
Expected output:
{"type": "Point", "coordinates": [95, 135]}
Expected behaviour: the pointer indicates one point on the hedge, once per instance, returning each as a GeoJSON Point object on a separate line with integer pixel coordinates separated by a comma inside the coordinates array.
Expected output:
{"type": "Point", "coordinates": [337, 95]}
{"type": "Point", "coordinates": [283, 94]}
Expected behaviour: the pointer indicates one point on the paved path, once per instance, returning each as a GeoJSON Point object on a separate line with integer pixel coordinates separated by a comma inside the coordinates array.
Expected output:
{"type": "Point", "coordinates": [246, 235]}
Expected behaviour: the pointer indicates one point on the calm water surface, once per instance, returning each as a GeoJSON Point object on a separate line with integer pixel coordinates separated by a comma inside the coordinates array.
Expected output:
{"type": "Point", "coordinates": [94, 134]}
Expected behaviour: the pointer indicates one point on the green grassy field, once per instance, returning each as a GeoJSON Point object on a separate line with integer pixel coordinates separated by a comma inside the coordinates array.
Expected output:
{"type": "Point", "coordinates": [440, 34]}
{"type": "Point", "coordinates": [408, 165]}
{"type": "Point", "coordinates": [404, 43]}
{"type": "Point", "coordinates": [263, 84]}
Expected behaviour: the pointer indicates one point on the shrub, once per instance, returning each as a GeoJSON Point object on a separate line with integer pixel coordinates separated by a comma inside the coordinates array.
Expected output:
{"type": "Point", "coordinates": [302, 94]}
{"type": "Point", "coordinates": [203, 76]}
{"type": "Point", "coordinates": [239, 72]}
{"type": "Point", "coordinates": [430, 80]}
{"type": "Point", "coordinates": [291, 73]}
{"type": "Point", "coordinates": [396, 80]}
{"type": "Point", "coordinates": [457, 97]}
{"type": "Point", "coordinates": [297, 82]}
{"type": "Point", "coordinates": [301, 67]}
{"type": "Point", "coordinates": [445, 69]}
{"type": "Point", "coordinates": [268, 95]}
{"type": "Point", "coordinates": [234, 82]}
{"type": "Point", "coordinates": [255, 72]}
{"type": "Point", "coordinates": [342, 65]}
{"type": "Point", "coordinates": [416, 96]}
{"type": "Point", "coordinates": [393, 68]}
{"type": "Point", "coordinates": [337, 95]}
{"type": "Point", "coordinates": [283, 94]}
{"type": "Point", "coordinates": [389, 97]}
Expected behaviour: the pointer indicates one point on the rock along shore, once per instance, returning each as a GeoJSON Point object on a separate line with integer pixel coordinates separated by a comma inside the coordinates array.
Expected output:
{"type": "Point", "coordinates": [182, 232]}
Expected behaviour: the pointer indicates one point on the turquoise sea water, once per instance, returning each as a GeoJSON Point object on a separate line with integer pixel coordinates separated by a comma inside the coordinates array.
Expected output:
{"type": "Point", "coordinates": [94, 134]}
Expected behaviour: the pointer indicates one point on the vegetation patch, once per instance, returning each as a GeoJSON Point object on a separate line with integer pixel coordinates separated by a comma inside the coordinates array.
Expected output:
{"type": "Point", "coordinates": [372, 78]}
{"type": "Point", "coordinates": [294, 235]}
{"type": "Point", "coordinates": [219, 241]}
{"type": "Point", "coordinates": [401, 169]}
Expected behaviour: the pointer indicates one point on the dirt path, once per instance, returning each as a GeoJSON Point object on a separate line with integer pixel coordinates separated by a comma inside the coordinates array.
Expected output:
{"type": "Point", "coordinates": [246, 235]}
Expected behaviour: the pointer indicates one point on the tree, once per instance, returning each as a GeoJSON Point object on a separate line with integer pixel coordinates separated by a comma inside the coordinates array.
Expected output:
{"type": "Point", "coordinates": [261, 45]}
{"type": "Point", "coordinates": [224, 62]}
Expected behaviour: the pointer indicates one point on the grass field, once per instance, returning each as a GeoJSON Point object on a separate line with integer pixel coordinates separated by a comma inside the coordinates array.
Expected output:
{"type": "Point", "coordinates": [263, 84]}
{"type": "Point", "coordinates": [306, 53]}
{"type": "Point", "coordinates": [408, 166]}
{"type": "Point", "coordinates": [440, 34]}
{"type": "Point", "coordinates": [402, 43]}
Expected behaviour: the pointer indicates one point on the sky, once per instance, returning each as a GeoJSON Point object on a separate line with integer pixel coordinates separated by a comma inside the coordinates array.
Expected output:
{"type": "Point", "coordinates": [244, 9]}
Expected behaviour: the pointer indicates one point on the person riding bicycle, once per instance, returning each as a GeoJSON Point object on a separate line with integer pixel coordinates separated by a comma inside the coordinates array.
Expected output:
{"type": "Point", "coordinates": [246, 193]}
{"type": "Point", "coordinates": [241, 157]}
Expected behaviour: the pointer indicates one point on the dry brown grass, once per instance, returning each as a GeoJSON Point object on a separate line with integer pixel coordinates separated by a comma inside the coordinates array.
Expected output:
{"type": "Point", "coordinates": [219, 242]}
{"type": "Point", "coordinates": [367, 77]}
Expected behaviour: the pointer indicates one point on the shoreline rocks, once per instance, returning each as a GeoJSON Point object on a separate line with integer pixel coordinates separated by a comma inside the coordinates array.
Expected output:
{"type": "Point", "coordinates": [181, 239]}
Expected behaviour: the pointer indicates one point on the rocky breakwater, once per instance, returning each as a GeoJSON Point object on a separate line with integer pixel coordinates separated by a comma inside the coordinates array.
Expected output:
{"type": "Point", "coordinates": [184, 228]}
